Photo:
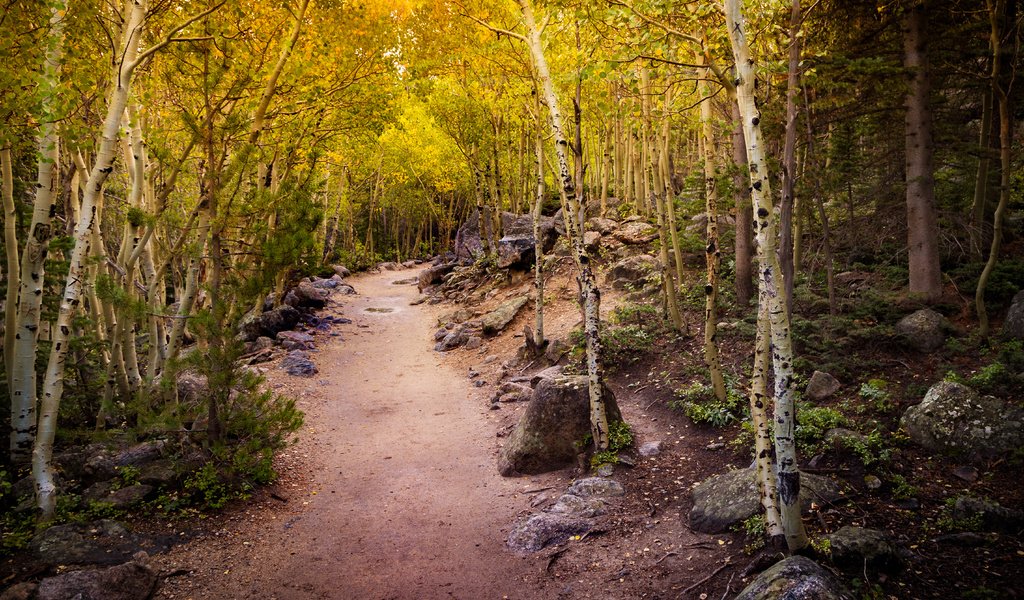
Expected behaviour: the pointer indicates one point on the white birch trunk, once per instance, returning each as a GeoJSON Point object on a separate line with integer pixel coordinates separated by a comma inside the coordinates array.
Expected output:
{"type": "Point", "coordinates": [22, 376]}
{"type": "Point", "coordinates": [712, 252]}
{"type": "Point", "coordinates": [591, 295]}
{"type": "Point", "coordinates": [13, 270]}
{"type": "Point", "coordinates": [770, 280]}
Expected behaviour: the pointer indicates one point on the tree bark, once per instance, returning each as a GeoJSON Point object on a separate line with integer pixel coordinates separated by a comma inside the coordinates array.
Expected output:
{"type": "Point", "coordinates": [11, 249]}
{"type": "Point", "coordinates": [922, 218]}
{"type": "Point", "coordinates": [787, 473]}
{"type": "Point", "coordinates": [786, 242]}
{"type": "Point", "coordinates": [22, 376]}
{"type": "Point", "coordinates": [744, 215]}
{"type": "Point", "coordinates": [591, 295]}
{"type": "Point", "coordinates": [712, 253]}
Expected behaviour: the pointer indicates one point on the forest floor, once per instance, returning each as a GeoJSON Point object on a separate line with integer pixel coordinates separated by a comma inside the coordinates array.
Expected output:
{"type": "Point", "coordinates": [392, 490]}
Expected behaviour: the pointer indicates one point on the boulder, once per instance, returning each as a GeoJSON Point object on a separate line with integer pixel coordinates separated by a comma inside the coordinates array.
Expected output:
{"type": "Point", "coordinates": [516, 252]}
{"type": "Point", "coordinates": [467, 239]}
{"type": "Point", "coordinates": [1013, 326]}
{"type": "Point", "coordinates": [857, 548]}
{"type": "Point", "coordinates": [388, 266]}
{"type": "Point", "coordinates": [990, 515]}
{"type": "Point", "coordinates": [591, 241]}
{"type": "Point", "coordinates": [954, 418]}
{"type": "Point", "coordinates": [544, 529]}
{"type": "Point", "coordinates": [569, 504]}
{"type": "Point", "coordinates": [341, 270]}
{"type": "Point", "coordinates": [295, 340]}
{"type": "Point", "coordinates": [453, 339]}
{"type": "Point", "coordinates": [326, 284]}
{"type": "Point", "coordinates": [433, 275]}
{"type": "Point", "coordinates": [133, 580]}
{"type": "Point", "coordinates": [632, 271]}
{"type": "Point", "coordinates": [602, 226]}
{"type": "Point", "coordinates": [821, 386]}
{"type": "Point", "coordinates": [103, 464]}
{"type": "Point", "coordinates": [271, 322]}
{"type": "Point", "coordinates": [795, 578]}
{"type": "Point", "coordinates": [596, 487]}
{"type": "Point", "coordinates": [100, 542]}
{"type": "Point", "coordinates": [551, 430]}
{"type": "Point", "coordinates": [513, 225]}
{"type": "Point", "coordinates": [127, 497]}
{"type": "Point", "coordinates": [297, 363]}
{"type": "Point", "coordinates": [158, 473]}
{"type": "Point", "coordinates": [192, 387]}
{"type": "Point", "coordinates": [923, 330]}
{"type": "Point", "coordinates": [636, 232]}
{"type": "Point", "coordinates": [722, 501]}
{"type": "Point", "coordinates": [648, 449]}
{"type": "Point", "coordinates": [548, 373]}
{"type": "Point", "coordinates": [498, 319]}
{"type": "Point", "coordinates": [557, 348]}
{"type": "Point", "coordinates": [306, 295]}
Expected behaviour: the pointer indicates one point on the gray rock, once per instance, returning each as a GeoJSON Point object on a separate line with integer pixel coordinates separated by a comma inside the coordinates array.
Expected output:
{"type": "Point", "coordinates": [341, 270]}
{"type": "Point", "coordinates": [326, 284]}
{"type": "Point", "coordinates": [261, 343]}
{"type": "Point", "coordinates": [104, 464]}
{"type": "Point", "coordinates": [556, 350]}
{"type": "Point", "coordinates": [433, 274]}
{"type": "Point", "coordinates": [516, 251]}
{"type": "Point", "coordinates": [453, 339]}
{"type": "Point", "coordinates": [602, 226]}
{"type": "Point", "coordinates": [457, 316]}
{"type": "Point", "coordinates": [596, 487]}
{"type": "Point", "coordinates": [923, 330]}
{"type": "Point", "coordinates": [192, 387]}
{"type": "Point", "coordinates": [722, 501]}
{"type": "Point", "coordinates": [634, 271]}
{"type": "Point", "coordinates": [840, 437]}
{"type": "Point", "coordinates": [795, 578]}
{"type": "Point", "coordinates": [133, 580]}
{"type": "Point", "coordinates": [268, 323]}
{"type": "Point", "coordinates": [991, 515]}
{"type": "Point", "coordinates": [297, 363]}
{"type": "Point", "coordinates": [467, 244]}
{"type": "Point", "coordinates": [158, 473]}
{"type": "Point", "coordinates": [648, 449]}
{"type": "Point", "coordinates": [76, 543]}
{"type": "Point", "coordinates": [474, 342]}
{"type": "Point", "coordinates": [636, 232]}
{"type": "Point", "coordinates": [551, 429]}
{"type": "Point", "coordinates": [857, 548]}
{"type": "Point", "coordinates": [821, 386]}
{"type": "Point", "coordinates": [388, 266]}
{"type": "Point", "coordinates": [346, 289]}
{"type": "Point", "coordinates": [591, 241]}
{"type": "Point", "coordinates": [543, 529]}
{"type": "Point", "coordinates": [954, 418]}
{"type": "Point", "coordinates": [306, 295]}
{"type": "Point", "coordinates": [548, 373]}
{"type": "Point", "coordinates": [569, 504]}
{"type": "Point", "coordinates": [498, 319]}
{"type": "Point", "coordinates": [1013, 326]}
{"type": "Point", "coordinates": [129, 496]}
{"type": "Point", "coordinates": [295, 340]}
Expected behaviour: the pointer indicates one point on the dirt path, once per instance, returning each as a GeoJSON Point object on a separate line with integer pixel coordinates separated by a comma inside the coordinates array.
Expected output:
{"type": "Point", "coordinates": [403, 499]}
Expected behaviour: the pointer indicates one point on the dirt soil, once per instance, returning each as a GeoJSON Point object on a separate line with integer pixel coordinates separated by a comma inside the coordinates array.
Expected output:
{"type": "Point", "coordinates": [392, 490]}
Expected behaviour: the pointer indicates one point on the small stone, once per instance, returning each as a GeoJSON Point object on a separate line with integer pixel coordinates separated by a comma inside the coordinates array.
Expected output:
{"type": "Point", "coordinates": [606, 470]}
{"type": "Point", "coordinates": [821, 386]}
{"type": "Point", "coordinates": [479, 383]}
{"type": "Point", "coordinates": [474, 342]}
{"type": "Point", "coordinates": [648, 449]}
{"type": "Point", "coordinates": [967, 473]}
{"type": "Point", "coordinates": [872, 482]}
{"type": "Point", "coordinates": [596, 487]}
{"type": "Point", "coordinates": [473, 374]}
{"type": "Point", "coordinates": [715, 446]}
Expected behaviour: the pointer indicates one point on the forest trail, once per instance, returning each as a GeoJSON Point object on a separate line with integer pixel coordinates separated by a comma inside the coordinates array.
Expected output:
{"type": "Point", "coordinates": [403, 499]}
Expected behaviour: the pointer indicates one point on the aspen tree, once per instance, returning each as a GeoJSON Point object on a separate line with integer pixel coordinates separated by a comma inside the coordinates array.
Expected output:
{"type": "Point", "coordinates": [667, 277]}
{"type": "Point", "coordinates": [770, 281]}
{"type": "Point", "coordinates": [22, 376]}
{"type": "Point", "coordinates": [591, 295]}
{"type": "Point", "coordinates": [11, 250]}
{"type": "Point", "coordinates": [712, 252]}
{"type": "Point", "coordinates": [129, 58]}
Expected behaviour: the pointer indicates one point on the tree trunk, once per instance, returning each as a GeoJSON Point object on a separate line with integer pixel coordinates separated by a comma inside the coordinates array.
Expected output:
{"type": "Point", "coordinates": [977, 228]}
{"type": "Point", "coordinates": [744, 215]}
{"type": "Point", "coordinates": [788, 473]}
{"type": "Point", "coordinates": [712, 253]}
{"type": "Point", "coordinates": [538, 266]}
{"type": "Point", "coordinates": [759, 400]}
{"type": "Point", "coordinates": [53, 382]}
{"type": "Point", "coordinates": [22, 376]}
{"type": "Point", "coordinates": [1001, 18]}
{"type": "Point", "coordinates": [13, 271]}
{"type": "Point", "coordinates": [786, 242]}
{"type": "Point", "coordinates": [591, 296]}
{"type": "Point", "coordinates": [922, 219]}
